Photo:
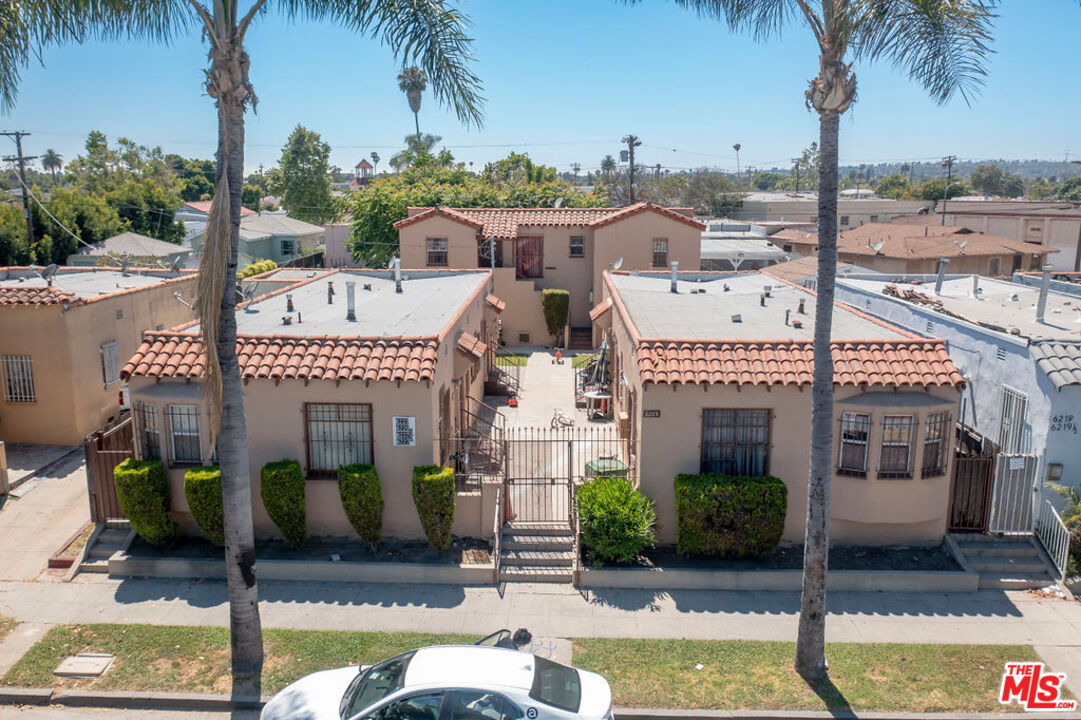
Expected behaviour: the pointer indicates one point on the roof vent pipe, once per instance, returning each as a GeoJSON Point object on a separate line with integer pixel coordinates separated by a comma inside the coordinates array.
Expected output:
{"type": "Point", "coordinates": [675, 274]}
{"type": "Point", "coordinates": [787, 314]}
{"type": "Point", "coordinates": [801, 309]}
{"type": "Point", "coordinates": [975, 285]}
{"type": "Point", "coordinates": [943, 263]}
{"type": "Point", "coordinates": [330, 292]}
{"type": "Point", "coordinates": [397, 275]}
{"type": "Point", "coordinates": [1045, 284]}
{"type": "Point", "coordinates": [289, 302]}
{"type": "Point", "coordinates": [350, 300]}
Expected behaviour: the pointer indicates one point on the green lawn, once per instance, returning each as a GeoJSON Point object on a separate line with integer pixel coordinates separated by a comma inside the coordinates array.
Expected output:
{"type": "Point", "coordinates": [6, 626]}
{"type": "Point", "coordinates": [581, 361]}
{"type": "Point", "coordinates": [196, 659]}
{"type": "Point", "coordinates": [759, 675]}
{"type": "Point", "coordinates": [511, 360]}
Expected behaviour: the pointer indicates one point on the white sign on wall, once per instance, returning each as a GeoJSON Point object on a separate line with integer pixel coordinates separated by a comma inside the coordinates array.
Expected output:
{"type": "Point", "coordinates": [405, 431]}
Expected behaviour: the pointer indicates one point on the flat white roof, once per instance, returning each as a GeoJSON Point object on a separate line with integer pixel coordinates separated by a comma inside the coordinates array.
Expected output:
{"type": "Point", "coordinates": [749, 248]}
{"type": "Point", "coordinates": [685, 315]}
{"type": "Point", "coordinates": [84, 283]}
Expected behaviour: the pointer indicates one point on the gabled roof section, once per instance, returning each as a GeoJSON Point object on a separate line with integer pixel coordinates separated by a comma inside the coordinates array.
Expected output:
{"type": "Point", "coordinates": [449, 213]}
{"type": "Point", "coordinates": [632, 210]}
{"type": "Point", "coordinates": [1060, 361]}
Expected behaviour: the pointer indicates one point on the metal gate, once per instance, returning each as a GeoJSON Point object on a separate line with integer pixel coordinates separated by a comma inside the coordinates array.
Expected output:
{"type": "Point", "coordinates": [1012, 499]}
{"type": "Point", "coordinates": [970, 491]}
{"type": "Point", "coordinates": [105, 449]}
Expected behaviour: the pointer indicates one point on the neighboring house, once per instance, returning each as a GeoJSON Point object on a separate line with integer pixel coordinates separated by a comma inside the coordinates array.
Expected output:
{"type": "Point", "coordinates": [339, 247]}
{"type": "Point", "coordinates": [730, 245]}
{"type": "Point", "coordinates": [715, 375]}
{"type": "Point", "coordinates": [338, 369]}
{"type": "Point", "coordinates": [898, 248]}
{"type": "Point", "coordinates": [272, 236]}
{"type": "Point", "coordinates": [538, 248]}
{"type": "Point", "coordinates": [133, 247]}
{"type": "Point", "coordinates": [803, 207]}
{"type": "Point", "coordinates": [1023, 374]}
{"type": "Point", "coordinates": [64, 340]}
{"type": "Point", "coordinates": [804, 271]}
{"type": "Point", "coordinates": [194, 215]}
{"type": "Point", "coordinates": [1053, 224]}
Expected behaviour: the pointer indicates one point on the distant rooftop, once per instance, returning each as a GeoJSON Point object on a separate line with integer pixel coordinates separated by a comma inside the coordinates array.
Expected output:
{"type": "Point", "coordinates": [134, 244]}
{"type": "Point", "coordinates": [740, 248]}
{"type": "Point", "coordinates": [1000, 305]}
{"type": "Point", "coordinates": [203, 206]}
{"type": "Point", "coordinates": [811, 197]}
{"type": "Point", "coordinates": [913, 242]}
{"type": "Point", "coordinates": [25, 286]}
{"type": "Point", "coordinates": [264, 225]}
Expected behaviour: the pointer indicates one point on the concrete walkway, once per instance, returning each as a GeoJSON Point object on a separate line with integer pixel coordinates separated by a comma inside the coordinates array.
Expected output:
{"type": "Point", "coordinates": [545, 387]}
{"type": "Point", "coordinates": [27, 460]}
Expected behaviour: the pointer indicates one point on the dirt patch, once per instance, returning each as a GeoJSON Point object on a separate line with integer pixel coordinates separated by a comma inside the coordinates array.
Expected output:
{"type": "Point", "coordinates": [75, 547]}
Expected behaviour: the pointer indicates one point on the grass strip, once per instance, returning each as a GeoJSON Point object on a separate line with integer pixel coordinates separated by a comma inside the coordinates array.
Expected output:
{"type": "Point", "coordinates": [6, 626]}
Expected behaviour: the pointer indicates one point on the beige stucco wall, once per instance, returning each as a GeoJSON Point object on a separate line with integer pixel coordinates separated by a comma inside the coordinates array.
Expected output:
{"type": "Point", "coordinates": [64, 346]}
{"type": "Point", "coordinates": [461, 243]}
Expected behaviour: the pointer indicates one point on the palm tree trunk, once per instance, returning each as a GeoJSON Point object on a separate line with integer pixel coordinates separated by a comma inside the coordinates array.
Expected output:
{"type": "Point", "coordinates": [811, 640]}
{"type": "Point", "coordinates": [245, 627]}
{"type": "Point", "coordinates": [416, 120]}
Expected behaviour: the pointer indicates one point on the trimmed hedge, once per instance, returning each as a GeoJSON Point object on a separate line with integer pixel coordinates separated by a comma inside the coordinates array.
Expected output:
{"type": "Point", "coordinates": [729, 516]}
{"type": "Point", "coordinates": [257, 268]}
{"type": "Point", "coordinates": [202, 488]}
{"type": "Point", "coordinates": [433, 495]}
{"type": "Point", "coordinates": [143, 490]}
{"type": "Point", "coordinates": [617, 520]}
{"type": "Point", "coordinates": [362, 500]}
{"type": "Point", "coordinates": [556, 305]}
{"type": "Point", "coordinates": [282, 489]}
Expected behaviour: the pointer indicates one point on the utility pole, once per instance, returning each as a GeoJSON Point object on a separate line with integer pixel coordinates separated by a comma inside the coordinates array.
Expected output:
{"type": "Point", "coordinates": [632, 142]}
{"type": "Point", "coordinates": [576, 167]}
{"type": "Point", "coordinates": [947, 162]}
{"type": "Point", "coordinates": [22, 160]}
{"type": "Point", "coordinates": [796, 161]}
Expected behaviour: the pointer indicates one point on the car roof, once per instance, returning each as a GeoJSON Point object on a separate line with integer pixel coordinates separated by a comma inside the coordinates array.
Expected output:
{"type": "Point", "coordinates": [470, 665]}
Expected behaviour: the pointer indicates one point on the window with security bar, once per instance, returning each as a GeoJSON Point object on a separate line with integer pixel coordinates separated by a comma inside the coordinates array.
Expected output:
{"type": "Point", "coordinates": [110, 363]}
{"type": "Point", "coordinates": [577, 246]}
{"type": "Point", "coordinates": [855, 429]}
{"type": "Point", "coordinates": [1011, 422]}
{"type": "Point", "coordinates": [18, 379]}
{"type": "Point", "coordinates": [896, 459]}
{"type": "Point", "coordinates": [184, 434]}
{"type": "Point", "coordinates": [660, 252]}
{"type": "Point", "coordinates": [934, 445]}
{"type": "Point", "coordinates": [437, 252]}
{"type": "Point", "coordinates": [735, 442]}
{"type": "Point", "coordinates": [337, 434]}
{"type": "Point", "coordinates": [146, 420]}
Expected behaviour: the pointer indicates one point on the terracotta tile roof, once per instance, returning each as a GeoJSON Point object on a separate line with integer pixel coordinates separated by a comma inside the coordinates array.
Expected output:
{"type": "Point", "coordinates": [504, 223]}
{"type": "Point", "coordinates": [601, 310]}
{"type": "Point", "coordinates": [180, 355]}
{"type": "Point", "coordinates": [203, 206]}
{"type": "Point", "coordinates": [915, 242]}
{"type": "Point", "coordinates": [798, 270]}
{"type": "Point", "coordinates": [874, 362]}
{"type": "Point", "coordinates": [471, 346]}
{"type": "Point", "coordinates": [37, 296]}
{"type": "Point", "coordinates": [495, 303]}
{"type": "Point", "coordinates": [1060, 361]}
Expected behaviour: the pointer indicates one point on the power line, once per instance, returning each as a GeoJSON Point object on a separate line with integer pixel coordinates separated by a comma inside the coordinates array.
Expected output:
{"type": "Point", "coordinates": [19, 135]}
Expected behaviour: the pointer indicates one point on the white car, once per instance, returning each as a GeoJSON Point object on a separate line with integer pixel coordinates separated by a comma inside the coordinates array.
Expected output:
{"type": "Point", "coordinates": [448, 682]}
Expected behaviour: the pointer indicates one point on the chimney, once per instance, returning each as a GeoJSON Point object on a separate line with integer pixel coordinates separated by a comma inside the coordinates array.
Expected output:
{"type": "Point", "coordinates": [1045, 284]}
{"type": "Point", "coordinates": [942, 264]}
{"type": "Point", "coordinates": [397, 275]}
{"type": "Point", "coordinates": [675, 274]}
{"type": "Point", "coordinates": [350, 300]}
{"type": "Point", "coordinates": [289, 302]}
{"type": "Point", "coordinates": [801, 310]}
{"type": "Point", "coordinates": [330, 292]}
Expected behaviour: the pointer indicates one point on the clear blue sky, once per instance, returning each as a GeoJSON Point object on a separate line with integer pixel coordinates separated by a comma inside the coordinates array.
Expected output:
{"type": "Point", "coordinates": [565, 80]}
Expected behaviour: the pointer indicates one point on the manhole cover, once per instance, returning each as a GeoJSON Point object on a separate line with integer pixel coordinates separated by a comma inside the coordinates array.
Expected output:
{"type": "Point", "coordinates": [85, 665]}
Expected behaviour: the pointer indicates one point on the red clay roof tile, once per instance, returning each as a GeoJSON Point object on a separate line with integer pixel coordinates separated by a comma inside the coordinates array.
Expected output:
{"type": "Point", "coordinates": [496, 304]}
{"type": "Point", "coordinates": [471, 346]}
{"type": "Point", "coordinates": [600, 311]}
{"type": "Point", "coordinates": [13, 295]}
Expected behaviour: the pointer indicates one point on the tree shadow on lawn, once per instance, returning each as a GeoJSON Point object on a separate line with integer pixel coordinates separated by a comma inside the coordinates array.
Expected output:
{"type": "Point", "coordinates": [831, 696]}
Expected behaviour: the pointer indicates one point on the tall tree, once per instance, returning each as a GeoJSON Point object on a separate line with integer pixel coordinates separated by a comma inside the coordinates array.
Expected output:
{"type": "Point", "coordinates": [304, 183]}
{"type": "Point", "coordinates": [52, 161]}
{"type": "Point", "coordinates": [943, 45]}
{"type": "Point", "coordinates": [375, 163]}
{"type": "Point", "coordinates": [418, 150]}
{"type": "Point", "coordinates": [430, 32]}
{"type": "Point", "coordinates": [413, 81]}
{"type": "Point", "coordinates": [608, 164]}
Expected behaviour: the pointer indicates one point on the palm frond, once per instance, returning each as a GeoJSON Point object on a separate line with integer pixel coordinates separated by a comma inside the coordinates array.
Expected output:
{"type": "Point", "coordinates": [428, 33]}
{"type": "Point", "coordinates": [212, 268]}
{"type": "Point", "coordinates": [942, 44]}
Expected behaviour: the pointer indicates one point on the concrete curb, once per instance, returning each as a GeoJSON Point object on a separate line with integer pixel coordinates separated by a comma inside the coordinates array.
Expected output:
{"type": "Point", "coordinates": [154, 700]}
{"type": "Point", "coordinates": [25, 696]}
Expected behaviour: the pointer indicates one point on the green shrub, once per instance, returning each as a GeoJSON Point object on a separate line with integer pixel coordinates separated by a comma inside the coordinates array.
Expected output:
{"type": "Point", "coordinates": [282, 489]}
{"type": "Point", "coordinates": [362, 500]}
{"type": "Point", "coordinates": [202, 488]}
{"type": "Point", "coordinates": [257, 268]}
{"type": "Point", "coordinates": [433, 494]}
{"type": "Point", "coordinates": [556, 305]}
{"type": "Point", "coordinates": [143, 490]}
{"type": "Point", "coordinates": [617, 520]}
{"type": "Point", "coordinates": [733, 516]}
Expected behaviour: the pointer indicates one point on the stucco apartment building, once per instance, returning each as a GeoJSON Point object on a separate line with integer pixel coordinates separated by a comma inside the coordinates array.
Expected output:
{"type": "Point", "coordinates": [64, 339]}
{"type": "Point", "coordinates": [1054, 224]}
{"type": "Point", "coordinates": [538, 248]}
{"type": "Point", "coordinates": [714, 375]}
{"type": "Point", "coordinates": [790, 207]}
{"type": "Point", "coordinates": [900, 248]}
{"type": "Point", "coordinates": [339, 368]}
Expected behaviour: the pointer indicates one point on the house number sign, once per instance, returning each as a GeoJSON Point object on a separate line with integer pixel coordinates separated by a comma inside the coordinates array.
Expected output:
{"type": "Point", "coordinates": [651, 413]}
{"type": "Point", "coordinates": [405, 431]}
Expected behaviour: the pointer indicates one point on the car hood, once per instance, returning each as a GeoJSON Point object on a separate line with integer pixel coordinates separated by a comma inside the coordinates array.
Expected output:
{"type": "Point", "coordinates": [596, 696]}
{"type": "Point", "coordinates": [313, 697]}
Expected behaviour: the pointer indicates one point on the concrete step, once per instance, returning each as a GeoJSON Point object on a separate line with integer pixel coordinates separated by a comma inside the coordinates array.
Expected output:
{"type": "Point", "coordinates": [1018, 581]}
{"type": "Point", "coordinates": [545, 558]}
{"type": "Point", "coordinates": [538, 543]}
{"type": "Point", "coordinates": [970, 538]}
{"type": "Point", "coordinates": [995, 549]}
{"type": "Point", "coordinates": [100, 552]}
{"type": "Point", "coordinates": [535, 573]}
{"type": "Point", "coordinates": [539, 528]}
{"type": "Point", "coordinates": [1007, 566]}
{"type": "Point", "coordinates": [113, 536]}
{"type": "Point", "coordinates": [96, 566]}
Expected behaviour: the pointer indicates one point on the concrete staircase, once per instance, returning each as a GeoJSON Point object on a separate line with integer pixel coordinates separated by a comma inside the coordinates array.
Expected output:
{"type": "Point", "coordinates": [1008, 563]}
{"type": "Point", "coordinates": [581, 338]}
{"type": "Point", "coordinates": [113, 537]}
{"type": "Point", "coordinates": [536, 552]}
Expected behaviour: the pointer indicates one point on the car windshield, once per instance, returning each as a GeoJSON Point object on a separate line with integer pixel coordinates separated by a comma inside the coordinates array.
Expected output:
{"type": "Point", "coordinates": [374, 684]}
{"type": "Point", "coordinates": [556, 685]}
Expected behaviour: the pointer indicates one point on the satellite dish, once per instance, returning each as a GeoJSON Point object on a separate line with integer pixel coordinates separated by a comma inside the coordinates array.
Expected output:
{"type": "Point", "coordinates": [49, 273]}
{"type": "Point", "coordinates": [617, 264]}
{"type": "Point", "coordinates": [878, 246]}
{"type": "Point", "coordinates": [249, 291]}
{"type": "Point", "coordinates": [175, 264]}
{"type": "Point", "coordinates": [558, 203]}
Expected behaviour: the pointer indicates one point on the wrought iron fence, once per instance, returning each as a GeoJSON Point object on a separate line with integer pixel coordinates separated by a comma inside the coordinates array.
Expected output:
{"type": "Point", "coordinates": [1054, 536]}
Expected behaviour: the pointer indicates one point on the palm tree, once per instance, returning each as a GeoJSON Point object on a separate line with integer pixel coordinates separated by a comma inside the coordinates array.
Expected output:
{"type": "Point", "coordinates": [416, 146]}
{"type": "Point", "coordinates": [52, 161]}
{"type": "Point", "coordinates": [608, 164]}
{"type": "Point", "coordinates": [413, 81]}
{"type": "Point", "coordinates": [375, 162]}
{"type": "Point", "coordinates": [943, 45]}
{"type": "Point", "coordinates": [430, 30]}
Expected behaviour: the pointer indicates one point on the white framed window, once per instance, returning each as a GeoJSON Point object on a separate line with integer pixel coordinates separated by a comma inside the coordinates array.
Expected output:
{"type": "Point", "coordinates": [18, 379]}
{"type": "Point", "coordinates": [110, 363]}
{"type": "Point", "coordinates": [184, 434]}
{"type": "Point", "coordinates": [896, 459]}
{"type": "Point", "coordinates": [1011, 426]}
{"type": "Point", "coordinates": [577, 246]}
{"type": "Point", "coordinates": [289, 247]}
{"type": "Point", "coordinates": [855, 429]}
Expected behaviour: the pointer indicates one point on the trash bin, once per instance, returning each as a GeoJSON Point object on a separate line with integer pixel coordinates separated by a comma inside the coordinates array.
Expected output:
{"type": "Point", "coordinates": [607, 467]}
